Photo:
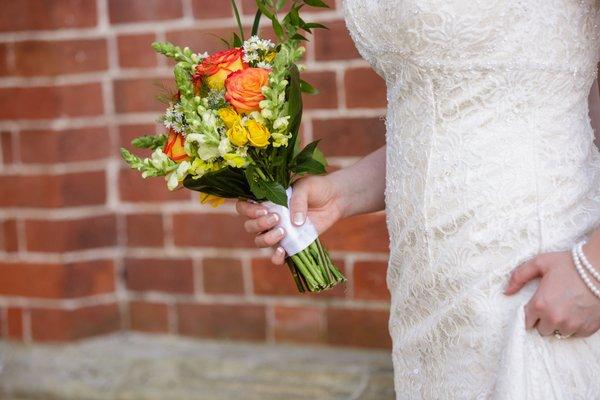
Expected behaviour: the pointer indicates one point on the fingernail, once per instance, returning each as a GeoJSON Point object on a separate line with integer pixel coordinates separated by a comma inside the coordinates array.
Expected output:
{"type": "Point", "coordinates": [261, 212]}
{"type": "Point", "coordinates": [279, 232]}
{"type": "Point", "coordinates": [279, 250]}
{"type": "Point", "coordinates": [298, 218]}
{"type": "Point", "coordinates": [273, 218]}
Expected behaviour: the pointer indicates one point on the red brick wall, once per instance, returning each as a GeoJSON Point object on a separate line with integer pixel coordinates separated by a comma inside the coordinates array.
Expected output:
{"type": "Point", "coordinates": [88, 247]}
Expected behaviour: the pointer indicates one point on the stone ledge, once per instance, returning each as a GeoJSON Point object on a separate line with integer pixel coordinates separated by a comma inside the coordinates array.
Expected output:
{"type": "Point", "coordinates": [147, 367]}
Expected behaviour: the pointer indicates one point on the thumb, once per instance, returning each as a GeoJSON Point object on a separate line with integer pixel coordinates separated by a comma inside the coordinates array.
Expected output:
{"type": "Point", "coordinates": [299, 203]}
{"type": "Point", "coordinates": [523, 274]}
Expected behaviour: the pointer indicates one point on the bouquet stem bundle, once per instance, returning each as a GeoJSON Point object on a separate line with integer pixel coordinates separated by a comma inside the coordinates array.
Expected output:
{"type": "Point", "coordinates": [313, 270]}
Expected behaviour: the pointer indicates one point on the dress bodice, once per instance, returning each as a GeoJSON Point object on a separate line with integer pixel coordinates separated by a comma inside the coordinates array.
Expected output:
{"type": "Point", "coordinates": [559, 35]}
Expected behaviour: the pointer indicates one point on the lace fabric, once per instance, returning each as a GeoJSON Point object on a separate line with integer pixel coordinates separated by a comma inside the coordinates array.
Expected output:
{"type": "Point", "coordinates": [490, 161]}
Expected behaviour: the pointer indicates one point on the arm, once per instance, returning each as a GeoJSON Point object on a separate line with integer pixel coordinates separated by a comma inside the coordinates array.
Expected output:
{"type": "Point", "coordinates": [361, 186]}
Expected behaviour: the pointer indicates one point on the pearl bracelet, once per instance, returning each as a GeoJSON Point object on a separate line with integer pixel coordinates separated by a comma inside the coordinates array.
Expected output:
{"type": "Point", "coordinates": [586, 262]}
{"type": "Point", "coordinates": [586, 279]}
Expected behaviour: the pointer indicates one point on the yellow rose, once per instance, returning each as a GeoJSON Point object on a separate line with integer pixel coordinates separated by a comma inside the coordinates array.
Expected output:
{"type": "Point", "coordinates": [229, 117]}
{"type": "Point", "coordinates": [258, 134]}
{"type": "Point", "coordinates": [237, 134]}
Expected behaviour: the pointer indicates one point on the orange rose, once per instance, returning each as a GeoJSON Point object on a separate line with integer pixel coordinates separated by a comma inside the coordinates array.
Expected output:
{"type": "Point", "coordinates": [217, 67]}
{"type": "Point", "coordinates": [244, 89]}
{"type": "Point", "coordinates": [174, 147]}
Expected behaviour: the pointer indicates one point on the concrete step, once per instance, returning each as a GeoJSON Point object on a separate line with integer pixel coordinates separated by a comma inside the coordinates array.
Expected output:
{"type": "Point", "coordinates": [148, 367]}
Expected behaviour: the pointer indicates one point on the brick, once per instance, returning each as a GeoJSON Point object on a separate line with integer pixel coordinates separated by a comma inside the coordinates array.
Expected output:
{"type": "Point", "coordinates": [60, 146]}
{"type": "Point", "coordinates": [51, 101]}
{"type": "Point", "coordinates": [140, 95]}
{"type": "Point", "coordinates": [43, 14]}
{"type": "Point", "coordinates": [299, 324]}
{"type": "Point", "coordinates": [210, 230]}
{"type": "Point", "coordinates": [6, 147]}
{"type": "Point", "coordinates": [223, 321]}
{"type": "Point", "coordinates": [358, 328]}
{"type": "Point", "coordinates": [149, 317]}
{"type": "Point", "coordinates": [129, 132]}
{"type": "Point", "coordinates": [222, 276]}
{"type": "Point", "coordinates": [160, 275]}
{"type": "Point", "coordinates": [123, 11]}
{"type": "Point", "coordinates": [9, 235]}
{"type": "Point", "coordinates": [201, 40]}
{"type": "Point", "coordinates": [327, 96]}
{"type": "Point", "coordinates": [38, 57]}
{"type": "Point", "coordinates": [135, 51]}
{"type": "Point", "coordinates": [14, 322]}
{"type": "Point", "coordinates": [272, 280]}
{"type": "Point", "coordinates": [4, 67]}
{"type": "Point", "coordinates": [360, 233]}
{"type": "Point", "coordinates": [66, 190]}
{"type": "Point", "coordinates": [364, 88]}
{"type": "Point", "coordinates": [56, 281]}
{"type": "Point", "coordinates": [349, 137]}
{"type": "Point", "coordinates": [370, 280]}
{"type": "Point", "coordinates": [70, 234]}
{"type": "Point", "coordinates": [206, 9]}
{"type": "Point", "coordinates": [134, 188]}
{"type": "Point", "coordinates": [334, 43]}
{"type": "Point", "coordinates": [59, 325]}
{"type": "Point", "coordinates": [145, 230]}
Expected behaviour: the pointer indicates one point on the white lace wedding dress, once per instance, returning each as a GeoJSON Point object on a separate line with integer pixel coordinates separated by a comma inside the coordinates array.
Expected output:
{"type": "Point", "coordinates": [490, 161]}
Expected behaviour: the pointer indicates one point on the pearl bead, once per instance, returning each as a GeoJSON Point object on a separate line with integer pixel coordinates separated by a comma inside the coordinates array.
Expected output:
{"type": "Point", "coordinates": [586, 279]}
{"type": "Point", "coordinates": [586, 263]}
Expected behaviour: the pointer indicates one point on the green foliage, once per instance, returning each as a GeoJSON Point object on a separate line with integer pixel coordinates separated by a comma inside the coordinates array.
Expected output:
{"type": "Point", "coordinates": [177, 53]}
{"type": "Point", "coordinates": [310, 160]}
{"type": "Point", "coordinates": [265, 189]}
{"type": "Point", "coordinates": [287, 29]}
{"type": "Point", "coordinates": [227, 182]}
{"type": "Point", "coordinates": [149, 141]}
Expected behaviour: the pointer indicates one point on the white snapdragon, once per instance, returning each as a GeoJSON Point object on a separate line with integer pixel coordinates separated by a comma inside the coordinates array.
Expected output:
{"type": "Point", "coordinates": [177, 176]}
{"type": "Point", "coordinates": [159, 160]}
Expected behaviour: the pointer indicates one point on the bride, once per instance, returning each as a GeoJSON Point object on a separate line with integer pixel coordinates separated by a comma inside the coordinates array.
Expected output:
{"type": "Point", "coordinates": [491, 185]}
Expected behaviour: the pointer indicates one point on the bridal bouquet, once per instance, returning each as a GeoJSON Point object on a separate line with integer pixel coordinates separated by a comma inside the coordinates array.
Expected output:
{"type": "Point", "coordinates": [233, 130]}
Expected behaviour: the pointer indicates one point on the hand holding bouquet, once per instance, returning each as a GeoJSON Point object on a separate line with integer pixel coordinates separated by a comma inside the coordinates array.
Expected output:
{"type": "Point", "coordinates": [233, 131]}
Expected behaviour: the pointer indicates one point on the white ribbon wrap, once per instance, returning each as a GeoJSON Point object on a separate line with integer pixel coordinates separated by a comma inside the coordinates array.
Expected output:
{"type": "Point", "coordinates": [296, 238]}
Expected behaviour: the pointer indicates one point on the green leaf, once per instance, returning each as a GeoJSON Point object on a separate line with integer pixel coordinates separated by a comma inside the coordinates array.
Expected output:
{"type": "Point", "coordinates": [298, 36]}
{"type": "Point", "coordinates": [316, 3]}
{"type": "Point", "coordinates": [313, 25]}
{"type": "Point", "coordinates": [306, 87]}
{"type": "Point", "coordinates": [238, 19]}
{"type": "Point", "coordinates": [149, 141]}
{"type": "Point", "coordinates": [265, 190]}
{"type": "Point", "coordinates": [227, 182]}
{"type": "Point", "coordinates": [294, 97]}
{"type": "Point", "coordinates": [309, 160]}
{"type": "Point", "coordinates": [237, 41]}
{"type": "Point", "coordinates": [256, 23]}
{"type": "Point", "coordinates": [277, 28]}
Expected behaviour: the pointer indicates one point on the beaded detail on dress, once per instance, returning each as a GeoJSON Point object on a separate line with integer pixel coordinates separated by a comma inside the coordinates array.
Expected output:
{"type": "Point", "coordinates": [490, 161]}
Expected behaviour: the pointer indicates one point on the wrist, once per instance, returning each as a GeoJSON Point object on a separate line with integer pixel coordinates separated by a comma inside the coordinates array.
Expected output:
{"type": "Point", "coordinates": [341, 194]}
{"type": "Point", "coordinates": [591, 249]}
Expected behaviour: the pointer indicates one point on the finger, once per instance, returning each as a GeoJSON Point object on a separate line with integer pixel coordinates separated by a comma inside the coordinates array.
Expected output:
{"type": "Point", "coordinates": [545, 327]}
{"type": "Point", "coordinates": [250, 210]}
{"type": "Point", "coordinates": [278, 256]}
{"type": "Point", "coordinates": [521, 275]}
{"type": "Point", "coordinates": [299, 204]}
{"type": "Point", "coordinates": [531, 317]}
{"type": "Point", "coordinates": [261, 224]}
{"type": "Point", "coordinates": [270, 238]}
